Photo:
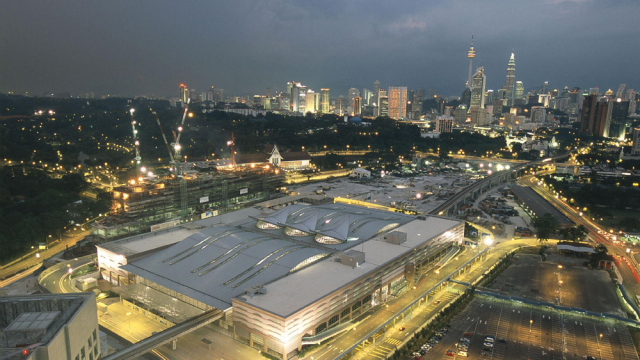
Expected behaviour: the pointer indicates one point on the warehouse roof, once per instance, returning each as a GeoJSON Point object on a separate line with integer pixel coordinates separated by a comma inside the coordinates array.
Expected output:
{"type": "Point", "coordinates": [293, 293]}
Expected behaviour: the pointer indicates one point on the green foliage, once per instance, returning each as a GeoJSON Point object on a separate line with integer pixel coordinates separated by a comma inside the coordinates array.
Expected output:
{"type": "Point", "coordinates": [34, 206]}
{"type": "Point", "coordinates": [545, 225]}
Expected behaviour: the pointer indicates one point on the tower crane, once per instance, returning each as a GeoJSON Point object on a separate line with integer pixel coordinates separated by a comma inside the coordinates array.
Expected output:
{"type": "Point", "coordinates": [174, 155]}
{"type": "Point", "coordinates": [136, 141]}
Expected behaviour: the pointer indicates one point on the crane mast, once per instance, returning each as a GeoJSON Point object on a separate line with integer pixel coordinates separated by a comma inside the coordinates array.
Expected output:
{"type": "Point", "coordinates": [136, 141]}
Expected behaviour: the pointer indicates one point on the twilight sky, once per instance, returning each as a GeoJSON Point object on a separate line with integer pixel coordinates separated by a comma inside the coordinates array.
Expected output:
{"type": "Point", "coordinates": [136, 47]}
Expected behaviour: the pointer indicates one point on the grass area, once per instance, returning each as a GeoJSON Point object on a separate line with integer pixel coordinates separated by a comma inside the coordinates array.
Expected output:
{"type": "Point", "coordinates": [529, 250]}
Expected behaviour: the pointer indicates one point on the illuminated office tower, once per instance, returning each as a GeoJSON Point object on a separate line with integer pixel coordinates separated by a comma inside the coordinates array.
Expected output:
{"type": "Point", "coordinates": [477, 89]}
{"type": "Point", "coordinates": [184, 94]}
{"type": "Point", "coordinates": [310, 102]}
{"type": "Point", "coordinates": [325, 100]}
{"type": "Point", "coordinates": [353, 92]}
{"type": "Point", "coordinates": [295, 98]}
{"type": "Point", "coordinates": [376, 98]}
{"type": "Point", "coordinates": [397, 102]}
{"type": "Point", "coordinates": [511, 80]}
{"type": "Point", "coordinates": [519, 92]}
{"type": "Point", "coordinates": [357, 105]}
{"type": "Point", "coordinates": [489, 97]}
{"type": "Point", "coordinates": [384, 104]}
{"type": "Point", "coordinates": [366, 97]}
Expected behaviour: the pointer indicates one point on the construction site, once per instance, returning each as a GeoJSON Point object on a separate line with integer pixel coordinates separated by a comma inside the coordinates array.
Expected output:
{"type": "Point", "coordinates": [191, 191]}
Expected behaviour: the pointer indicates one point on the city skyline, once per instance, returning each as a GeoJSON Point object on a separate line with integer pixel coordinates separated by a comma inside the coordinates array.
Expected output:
{"type": "Point", "coordinates": [137, 52]}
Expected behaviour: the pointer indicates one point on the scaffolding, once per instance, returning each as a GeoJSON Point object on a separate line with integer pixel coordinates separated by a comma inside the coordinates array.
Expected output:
{"type": "Point", "coordinates": [137, 207]}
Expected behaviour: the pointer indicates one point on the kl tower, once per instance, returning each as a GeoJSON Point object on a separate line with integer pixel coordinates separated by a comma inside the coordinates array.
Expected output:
{"type": "Point", "coordinates": [471, 54]}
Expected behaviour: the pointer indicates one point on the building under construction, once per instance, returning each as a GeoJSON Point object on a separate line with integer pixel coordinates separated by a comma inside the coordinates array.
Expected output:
{"type": "Point", "coordinates": [155, 204]}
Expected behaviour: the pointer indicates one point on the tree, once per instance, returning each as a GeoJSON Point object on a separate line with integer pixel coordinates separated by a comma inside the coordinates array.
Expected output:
{"type": "Point", "coordinates": [545, 225]}
{"type": "Point", "coordinates": [579, 233]}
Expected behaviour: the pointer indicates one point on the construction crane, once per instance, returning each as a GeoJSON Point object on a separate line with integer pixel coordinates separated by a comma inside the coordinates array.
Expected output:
{"type": "Point", "coordinates": [176, 144]}
{"type": "Point", "coordinates": [174, 155]}
{"type": "Point", "coordinates": [136, 142]}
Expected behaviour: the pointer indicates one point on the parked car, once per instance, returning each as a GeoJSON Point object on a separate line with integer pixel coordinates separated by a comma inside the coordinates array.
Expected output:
{"type": "Point", "coordinates": [450, 353]}
{"type": "Point", "coordinates": [463, 353]}
{"type": "Point", "coordinates": [485, 353]}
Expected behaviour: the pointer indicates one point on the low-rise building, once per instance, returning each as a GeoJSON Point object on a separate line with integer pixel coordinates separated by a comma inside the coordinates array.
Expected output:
{"type": "Point", "coordinates": [50, 326]}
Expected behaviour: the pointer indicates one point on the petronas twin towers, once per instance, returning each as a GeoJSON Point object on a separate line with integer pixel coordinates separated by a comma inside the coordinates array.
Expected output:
{"type": "Point", "coordinates": [478, 82]}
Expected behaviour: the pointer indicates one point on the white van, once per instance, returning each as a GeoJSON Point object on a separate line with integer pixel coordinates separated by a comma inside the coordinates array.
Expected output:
{"type": "Point", "coordinates": [463, 353]}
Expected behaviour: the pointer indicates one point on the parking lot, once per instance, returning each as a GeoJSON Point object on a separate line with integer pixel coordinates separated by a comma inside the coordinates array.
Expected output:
{"type": "Point", "coordinates": [527, 333]}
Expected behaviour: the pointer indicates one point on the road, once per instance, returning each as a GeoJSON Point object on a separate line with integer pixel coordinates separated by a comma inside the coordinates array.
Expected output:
{"type": "Point", "coordinates": [631, 283]}
{"type": "Point", "coordinates": [30, 261]}
{"type": "Point", "coordinates": [58, 280]}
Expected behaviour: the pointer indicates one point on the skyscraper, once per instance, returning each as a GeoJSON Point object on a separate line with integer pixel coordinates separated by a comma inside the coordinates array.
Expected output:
{"type": "Point", "coordinates": [384, 104]}
{"type": "Point", "coordinates": [478, 84]}
{"type": "Point", "coordinates": [621, 90]}
{"type": "Point", "coordinates": [397, 102]}
{"type": "Point", "coordinates": [432, 93]}
{"type": "Point", "coordinates": [545, 88]}
{"type": "Point", "coordinates": [353, 92]}
{"type": "Point", "coordinates": [310, 102]}
{"type": "Point", "coordinates": [489, 97]}
{"type": "Point", "coordinates": [618, 118]}
{"type": "Point", "coordinates": [511, 80]}
{"type": "Point", "coordinates": [470, 54]}
{"type": "Point", "coordinates": [519, 91]}
{"type": "Point", "coordinates": [366, 96]}
{"type": "Point", "coordinates": [295, 98]}
{"type": "Point", "coordinates": [324, 100]}
{"type": "Point", "coordinates": [184, 94]}
{"type": "Point", "coordinates": [357, 105]}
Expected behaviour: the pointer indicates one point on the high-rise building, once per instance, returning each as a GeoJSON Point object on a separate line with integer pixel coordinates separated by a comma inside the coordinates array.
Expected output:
{"type": "Point", "coordinates": [478, 84]}
{"type": "Point", "coordinates": [376, 97]}
{"type": "Point", "coordinates": [545, 88]}
{"type": "Point", "coordinates": [442, 105]}
{"type": "Point", "coordinates": [538, 114]}
{"type": "Point", "coordinates": [325, 100]}
{"type": "Point", "coordinates": [366, 97]}
{"type": "Point", "coordinates": [618, 119]}
{"type": "Point", "coordinates": [511, 80]}
{"type": "Point", "coordinates": [544, 99]}
{"type": "Point", "coordinates": [635, 150]}
{"type": "Point", "coordinates": [218, 95]}
{"type": "Point", "coordinates": [340, 105]}
{"type": "Point", "coordinates": [295, 98]}
{"type": "Point", "coordinates": [594, 90]}
{"type": "Point", "coordinates": [184, 94]}
{"type": "Point", "coordinates": [444, 123]}
{"type": "Point", "coordinates": [519, 92]}
{"type": "Point", "coordinates": [397, 102]}
{"type": "Point", "coordinates": [621, 91]}
{"type": "Point", "coordinates": [268, 93]}
{"type": "Point", "coordinates": [465, 98]}
{"type": "Point", "coordinates": [432, 93]}
{"type": "Point", "coordinates": [353, 92]}
{"type": "Point", "coordinates": [357, 105]}
{"type": "Point", "coordinates": [384, 104]}
{"type": "Point", "coordinates": [470, 54]}
{"type": "Point", "coordinates": [417, 98]}
{"type": "Point", "coordinates": [310, 102]}
{"type": "Point", "coordinates": [588, 115]}
{"type": "Point", "coordinates": [489, 97]}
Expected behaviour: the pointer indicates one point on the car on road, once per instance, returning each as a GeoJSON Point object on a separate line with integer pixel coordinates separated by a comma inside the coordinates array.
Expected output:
{"type": "Point", "coordinates": [401, 328]}
{"type": "Point", "coordinates": [450, 353]}
{"type": "Point", "coordinates": [468, 334]}
{"type": "Point", "coordinates": [437, 302]}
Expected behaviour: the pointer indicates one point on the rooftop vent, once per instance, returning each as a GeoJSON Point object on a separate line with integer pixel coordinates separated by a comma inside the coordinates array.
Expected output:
{"type": "Point", "coordinates": [396, 237]}
{"type": "Point", "coordinates": [352, 258]}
